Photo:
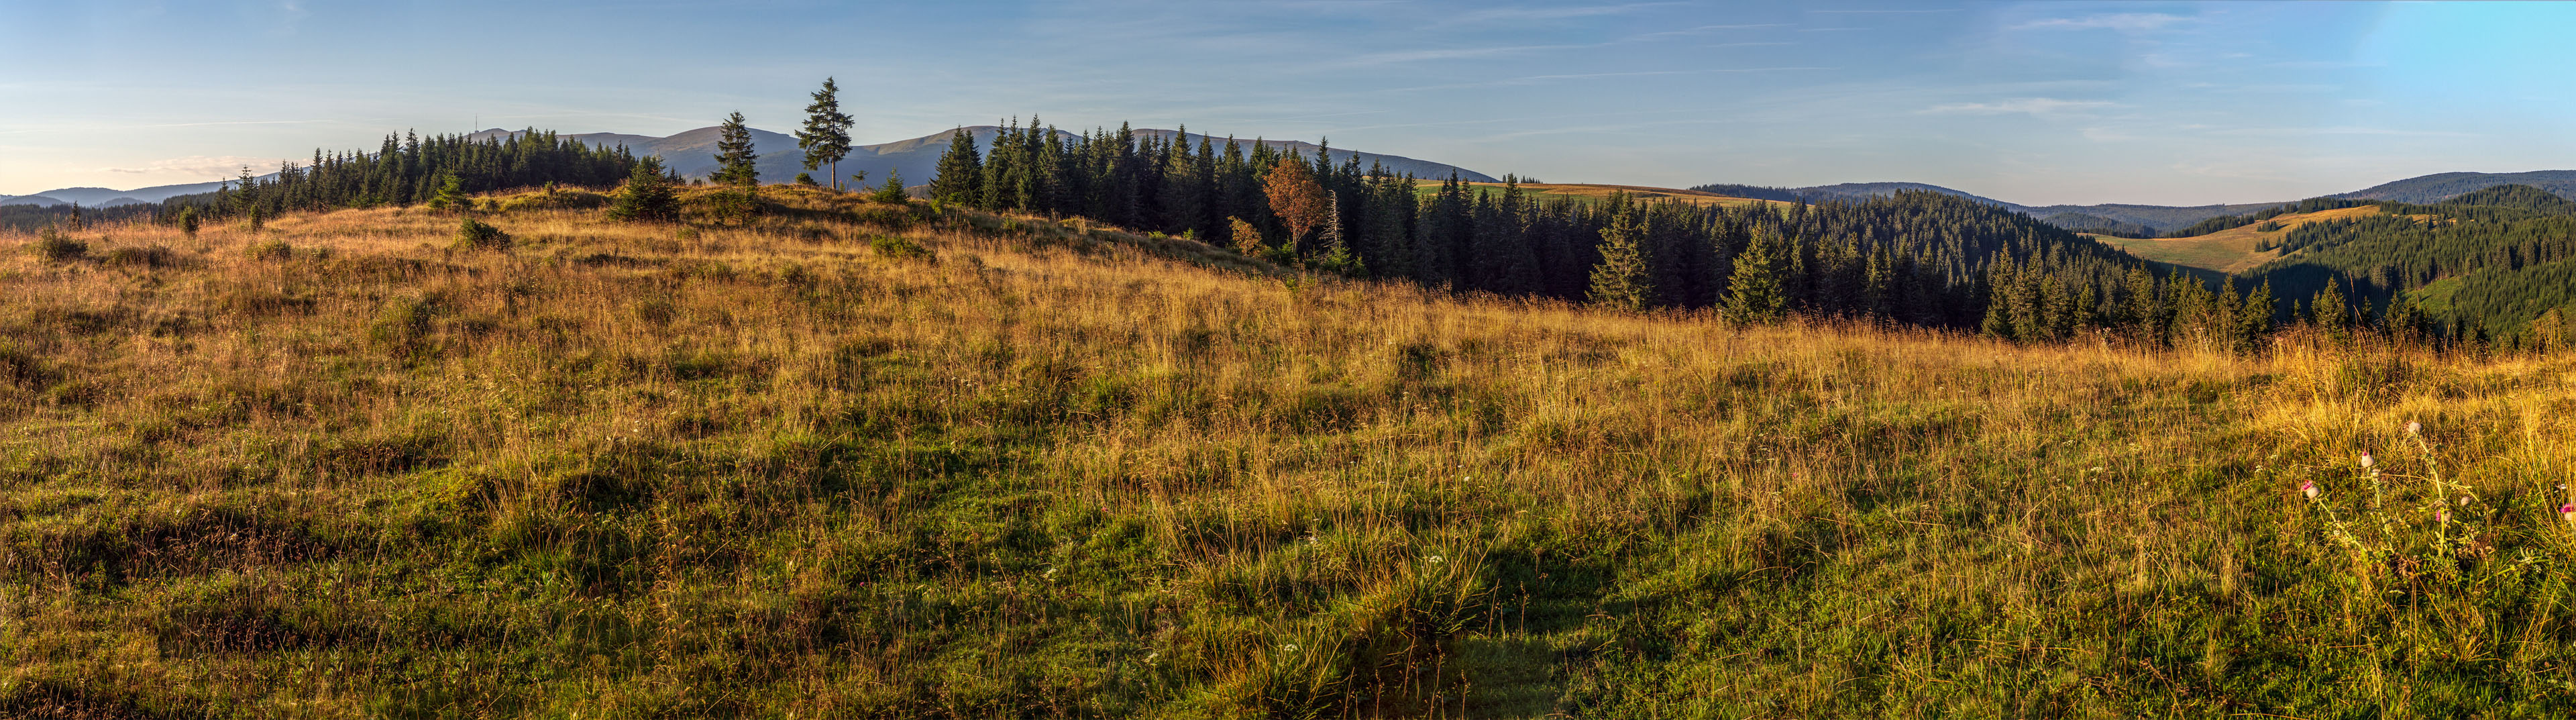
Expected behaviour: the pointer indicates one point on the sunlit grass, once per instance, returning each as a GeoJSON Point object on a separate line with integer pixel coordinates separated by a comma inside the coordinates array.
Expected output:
{"type": "Point", "coordinates": [865, 460]}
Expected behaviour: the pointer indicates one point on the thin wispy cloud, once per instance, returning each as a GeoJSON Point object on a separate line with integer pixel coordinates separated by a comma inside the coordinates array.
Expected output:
{"type": "Point", "coordinates": [1889, 12]}
{"type": "Point", "coordinates": [2124, 22]}
{"type": "Point", "coordinates": [198, 166]}
{"type": "Point", "coordinates": [1536, 79]}
{"type": "Point", "coordinates": [2104, 134]}
{"type": "Point", "coordinates": [1325, 118]}
{"type": "Point", "coordinates": [2036, 107]}
{"type": "Point", "coordinates": [1706, 30]}
{"type": "Point", "coordinates": [233, 122]}
{"type": "Point", "coordinates": [1408, 56]}
{"type": "Point", "coordinates": [2341, 130]}
{"type": "Point", "coordinates": [1536, 14]}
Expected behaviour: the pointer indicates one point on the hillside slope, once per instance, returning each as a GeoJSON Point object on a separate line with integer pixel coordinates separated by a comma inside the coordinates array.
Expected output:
{"type": "Point", "coordinates": [2233, 250]}
{"type": "Point", "coordinates": [857, 460]}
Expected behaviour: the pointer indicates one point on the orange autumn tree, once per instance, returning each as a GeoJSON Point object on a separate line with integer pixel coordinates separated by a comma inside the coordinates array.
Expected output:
{"type": "Point", "coordinates": [1296, 198]}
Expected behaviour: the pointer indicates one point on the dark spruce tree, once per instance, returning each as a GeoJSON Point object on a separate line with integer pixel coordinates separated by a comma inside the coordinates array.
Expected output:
{"type": "Point", "coordinates": [826, 135]}
{"type": "Point", "coordinates": [892, 191]}
{"type": "Point", "coordinates": [1753, 291]}
{"type": "Point", "coordinates": [961, 172]}
{"type": "Point", "coordinates": [736, 167]}
{"type": "Point", "coordinates": [647, 195]}
{"type": "Point", "coordinates": [1620, 280]}
{"type": "Point", "coordinates": [736, 163]}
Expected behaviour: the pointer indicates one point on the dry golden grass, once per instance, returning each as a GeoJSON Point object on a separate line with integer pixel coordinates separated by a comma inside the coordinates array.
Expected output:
{"type": "Point", "coordinates": [2231, 250]}
{"type": "Point", "coordinates": [863, 460]}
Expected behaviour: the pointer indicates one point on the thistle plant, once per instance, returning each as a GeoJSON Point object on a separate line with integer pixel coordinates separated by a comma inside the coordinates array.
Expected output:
{"type": "Point", "coordinates": [2436, 525]}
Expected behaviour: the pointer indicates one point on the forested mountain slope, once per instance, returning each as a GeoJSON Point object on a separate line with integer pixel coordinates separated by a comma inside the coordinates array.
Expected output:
{"type": "Point", "coordinates": [2488, 263]}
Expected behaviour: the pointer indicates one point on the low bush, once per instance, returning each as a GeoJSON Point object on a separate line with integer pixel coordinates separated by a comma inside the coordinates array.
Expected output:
{"type": "Point", "coordinates": [478, 235]}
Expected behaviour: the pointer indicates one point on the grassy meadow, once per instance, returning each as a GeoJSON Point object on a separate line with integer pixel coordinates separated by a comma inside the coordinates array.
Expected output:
{"type": "Point", "coordinates": [862, 460]}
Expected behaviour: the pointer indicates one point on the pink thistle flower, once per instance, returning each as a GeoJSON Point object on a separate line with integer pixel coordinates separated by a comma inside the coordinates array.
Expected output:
{"type": "Point", "coordinates": [2442, 515]}
{"type": "Point", "coordinates": [2414, 428]}
{"type": "Point", "coordinates": [2366, 461]}
{"type": "Point", "coordinates": [2568, 511]}
{"type": "Point", "coordinates": [2308, 488]}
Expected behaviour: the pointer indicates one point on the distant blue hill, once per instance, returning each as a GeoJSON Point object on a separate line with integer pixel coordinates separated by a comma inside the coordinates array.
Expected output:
{"type": "Point", "coordinates": [2162, 218]}
{"type": "Point", "coordinates": [2444, 186]}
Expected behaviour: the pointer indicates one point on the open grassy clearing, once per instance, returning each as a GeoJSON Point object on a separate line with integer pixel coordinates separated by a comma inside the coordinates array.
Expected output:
{"type": "Point", "coordinates": [860, 460]}
{"type": "Point", "coordinates": [2231, 250]}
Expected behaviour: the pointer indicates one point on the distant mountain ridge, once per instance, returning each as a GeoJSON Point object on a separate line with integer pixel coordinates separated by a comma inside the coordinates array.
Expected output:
{"type": "Point", "coordinates": [692, 153]}
{"type": "Point", "coordinates": [2444, 186]}
{"type": "Point", "coordinates": [2161, 218]}
{"type": "Point", "coordinates": [104, 197]}
{"type": "Point", "coordinates": [2073, 217]}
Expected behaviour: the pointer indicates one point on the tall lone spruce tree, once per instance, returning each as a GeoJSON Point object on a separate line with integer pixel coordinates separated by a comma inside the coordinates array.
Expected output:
{"type": "Point", "coordinates": [826, 137]}
{"type": "Point", "coordinates": [735, 166]}
{"type": "Point", "coordinates": [734, 158]}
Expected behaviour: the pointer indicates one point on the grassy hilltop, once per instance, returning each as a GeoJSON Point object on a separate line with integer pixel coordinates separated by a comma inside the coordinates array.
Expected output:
{"type": "Point", "coordinates": [2233, 250]}
{"type": "Point", "coordinates": [862, 460]}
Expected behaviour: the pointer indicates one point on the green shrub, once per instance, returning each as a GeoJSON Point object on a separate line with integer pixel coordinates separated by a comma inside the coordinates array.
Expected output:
{"type": "Point", "coordinates": [154, 256]}
{"type": "Point", "coordinates": [53, 245]}
{"type": "Point", "coordinates": [574, 199]}
{"type": "Point", "coordinates": [270, 250]}
{"type": "Point", "coordinates": [478, 235]}
{"type": "Point", "coordinates": [403, 325]}
{"type": "Point", "coordinates": [647, 195]}
{"type": "Point", "coordinates": [901, 248]}
{"type": "Point", "coordinates": [892, 191]}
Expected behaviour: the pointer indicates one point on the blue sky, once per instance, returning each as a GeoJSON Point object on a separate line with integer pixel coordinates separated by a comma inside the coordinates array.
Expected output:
{"type": "Point", "coordinates": [2041, 102]}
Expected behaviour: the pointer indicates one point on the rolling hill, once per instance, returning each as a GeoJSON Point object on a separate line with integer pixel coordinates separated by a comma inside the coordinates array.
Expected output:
{"type": "Point", "coordinates": [2156, 218]}
{"type": "Point", "coordinates": [2444, 186]}
{"type": "Point", "coordinates": [105, 197]}
{"type": "Point", "coordinates": [2233, 250]}
{"type": "Point", "coordinates": [2164, 218]}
